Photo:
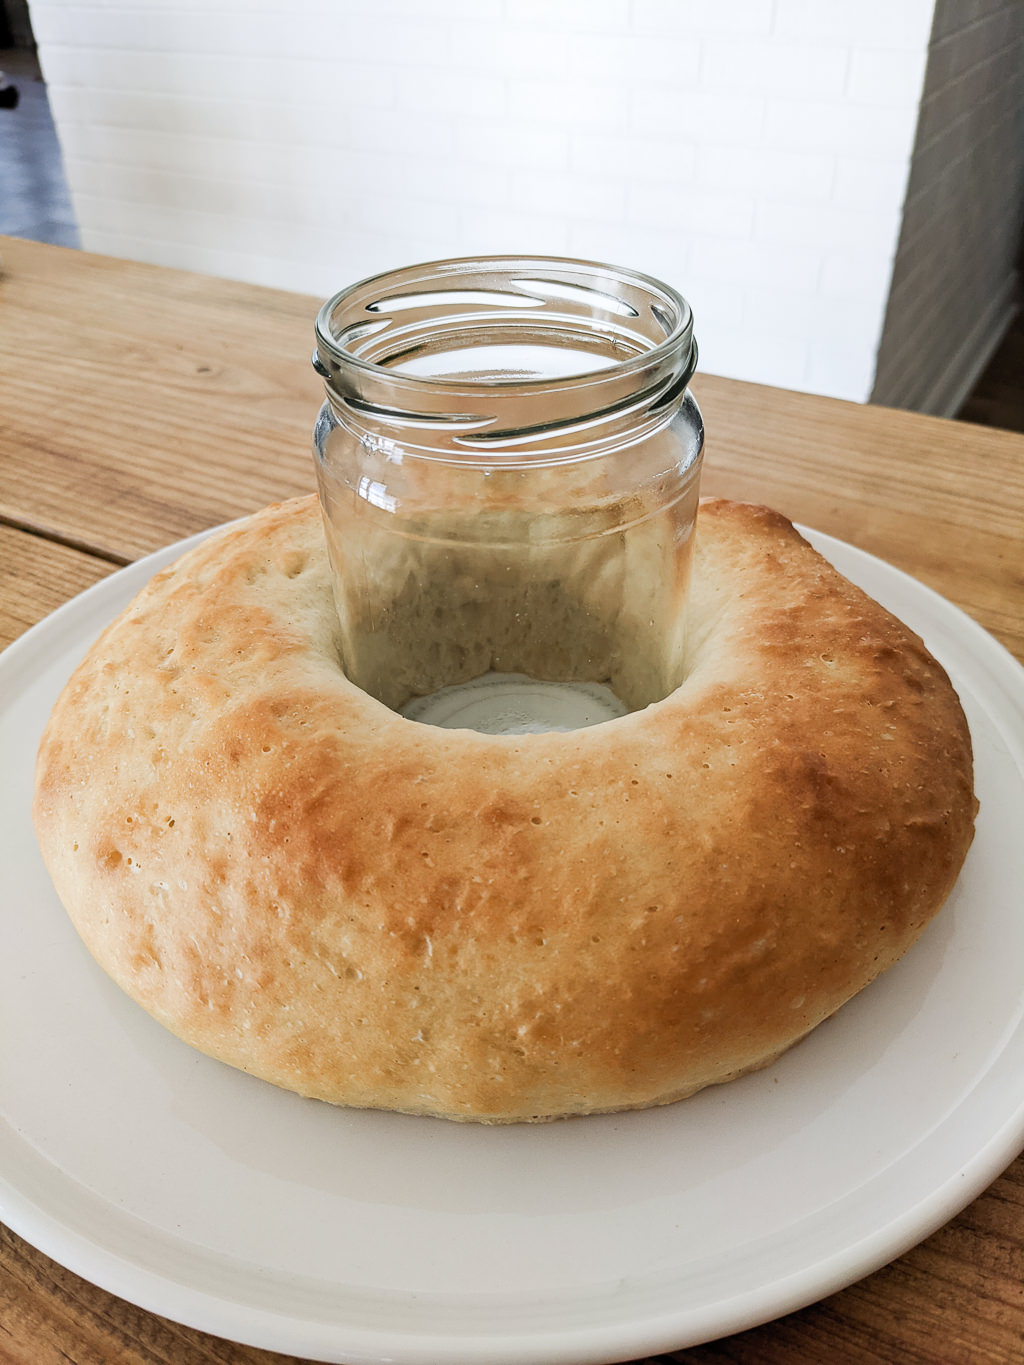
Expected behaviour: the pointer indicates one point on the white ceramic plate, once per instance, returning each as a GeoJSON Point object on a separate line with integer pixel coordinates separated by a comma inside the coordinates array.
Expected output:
{"type": "Point", "coordinates": [214, 1199]}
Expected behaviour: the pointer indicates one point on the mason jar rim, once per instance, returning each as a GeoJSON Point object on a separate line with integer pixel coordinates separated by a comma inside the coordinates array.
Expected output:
{"type": "Point", "coordinates": [330, 356]}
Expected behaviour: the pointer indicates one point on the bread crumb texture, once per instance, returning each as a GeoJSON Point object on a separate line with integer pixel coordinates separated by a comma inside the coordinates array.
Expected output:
{"type": "Point", "coordinates": [298, 881]}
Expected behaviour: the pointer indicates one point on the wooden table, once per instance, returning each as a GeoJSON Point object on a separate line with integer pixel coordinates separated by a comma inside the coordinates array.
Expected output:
{"type": "Point", "coordinates": [139, 405]}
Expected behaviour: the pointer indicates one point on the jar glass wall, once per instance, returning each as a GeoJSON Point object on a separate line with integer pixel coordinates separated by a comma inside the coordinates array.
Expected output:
{"type": "Point", "coordinates": [509, 461]}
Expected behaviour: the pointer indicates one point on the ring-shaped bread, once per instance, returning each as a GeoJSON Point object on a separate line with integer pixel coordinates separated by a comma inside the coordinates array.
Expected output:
{"type": "Point", "coordinates": [352, 905]}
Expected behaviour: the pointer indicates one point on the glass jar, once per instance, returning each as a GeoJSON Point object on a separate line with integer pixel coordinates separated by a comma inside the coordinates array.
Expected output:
{"type": "Point", "coordinates": [508, 462]}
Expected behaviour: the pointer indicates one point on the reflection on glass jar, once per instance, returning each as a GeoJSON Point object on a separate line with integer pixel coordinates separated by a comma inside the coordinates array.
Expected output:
{"type": "Point", "coordinates": [509, 461]}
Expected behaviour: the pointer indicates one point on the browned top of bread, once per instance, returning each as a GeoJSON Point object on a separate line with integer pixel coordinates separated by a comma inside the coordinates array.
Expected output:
{"type": "Point", "coordinates": [299, 881]}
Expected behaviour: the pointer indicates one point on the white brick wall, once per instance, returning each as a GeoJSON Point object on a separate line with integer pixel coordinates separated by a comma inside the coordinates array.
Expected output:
{"type": "Point", "coordinates": [955, 280]}
{"type": "Point", "coordinates": [752, 152]}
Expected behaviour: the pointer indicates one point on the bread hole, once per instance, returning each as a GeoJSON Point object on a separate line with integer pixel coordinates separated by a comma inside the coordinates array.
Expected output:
{"type": "Point", "coordinates": [536, 820]}
{"type": "Point", "coordinates": [550, 595]}
{"type": "Point", "coordinates": [294, 564]}
{"type": "Point", "coordinates": [112, 860]}
{"type": "Point", "coordinates": [353, 973]}
{"type": "Point", "coordinates": [170, 822]}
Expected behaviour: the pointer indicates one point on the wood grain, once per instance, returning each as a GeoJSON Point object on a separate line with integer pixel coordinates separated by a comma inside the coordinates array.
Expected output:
{"type": "Point", "coordinates": [139, 405]}
{"type": "Point", "coordinates": [48, 1316]}
{"type": "Point", "coordinates": [37, 576]}
{"type": "Point", "coordinates": [943, 501]}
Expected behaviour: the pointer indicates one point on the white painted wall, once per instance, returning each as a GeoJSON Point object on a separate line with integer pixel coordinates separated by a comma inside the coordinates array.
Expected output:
{"type": "Point", "coordinates": [955, 281]}
{"type": "Point", "coordinates": [752, 152]}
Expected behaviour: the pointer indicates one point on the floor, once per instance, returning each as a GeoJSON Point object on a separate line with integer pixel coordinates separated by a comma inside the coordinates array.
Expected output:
{"type": "Point", "coordinates": [34, 198]}
{"type": "Point", "coordinates": [35, 203]}
{"type": "Point", "coordinates": [998, 397]}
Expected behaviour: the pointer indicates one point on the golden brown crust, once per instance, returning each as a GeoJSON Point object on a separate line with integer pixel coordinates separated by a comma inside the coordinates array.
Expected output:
{"type": "Point", "coordinates": [354, 906]}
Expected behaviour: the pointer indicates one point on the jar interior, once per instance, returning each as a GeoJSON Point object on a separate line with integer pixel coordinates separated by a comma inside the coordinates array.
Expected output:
{"type": "Point", "coordinates": [493, 361]}
{"type": "Point", "coordinates": [509, 465]}
{"type": "Point", "coordinates": [593, 594]}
